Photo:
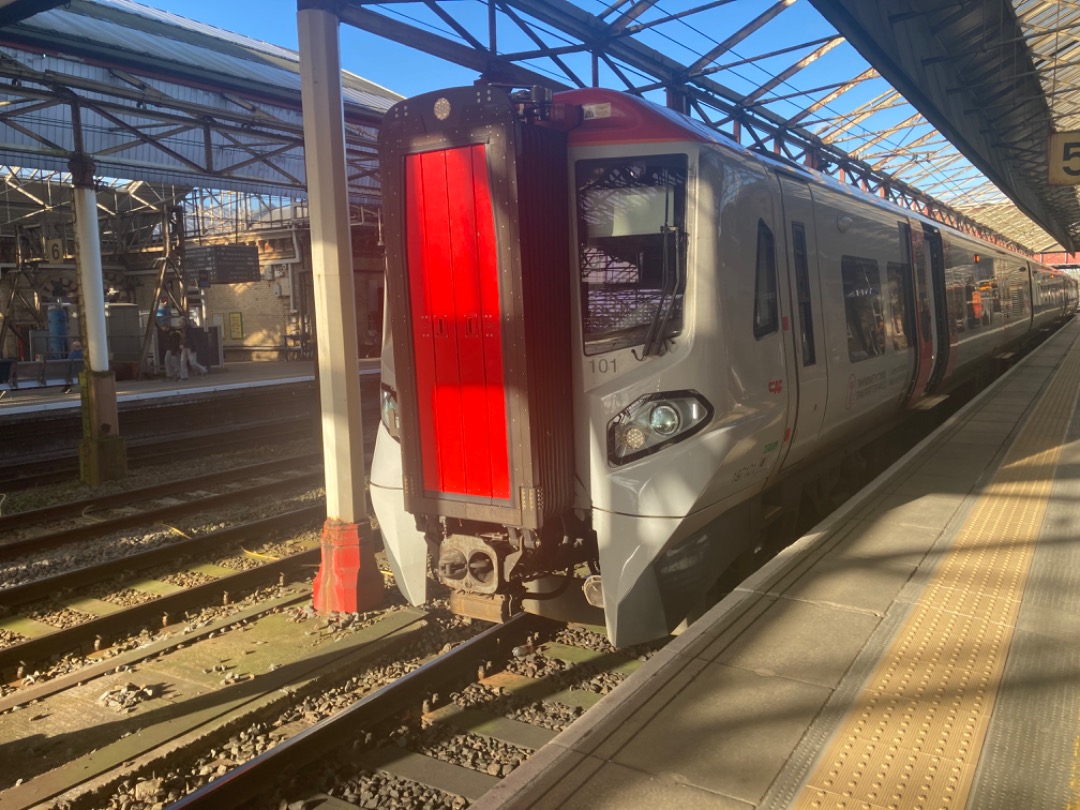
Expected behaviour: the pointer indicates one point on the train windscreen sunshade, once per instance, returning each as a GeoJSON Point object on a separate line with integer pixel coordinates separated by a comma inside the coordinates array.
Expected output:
{"type": "Point", "coordinates": [457, 329]}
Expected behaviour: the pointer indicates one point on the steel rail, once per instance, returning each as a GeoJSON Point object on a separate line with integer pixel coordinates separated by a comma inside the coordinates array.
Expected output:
{"type": "Point", "coordinates": [156, 450]}
{"type": "Point", "coordinates": [81, 577]}
{"type": "Point", "coordinates": [77, 534]}
{"type": "Point", "coordinates": [446, 672]}
{"type": "Point", "coordinates": [60, 511]}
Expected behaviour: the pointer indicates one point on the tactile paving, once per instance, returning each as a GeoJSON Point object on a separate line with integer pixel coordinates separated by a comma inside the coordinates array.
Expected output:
{"type": "Point", "coordinates": [1031, 757]}
{"type": "Point", "coordinates": [913, 735]}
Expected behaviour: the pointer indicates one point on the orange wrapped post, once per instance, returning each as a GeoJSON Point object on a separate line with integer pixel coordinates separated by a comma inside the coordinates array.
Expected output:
{"type": "Point", "coordinates": [349, 580]}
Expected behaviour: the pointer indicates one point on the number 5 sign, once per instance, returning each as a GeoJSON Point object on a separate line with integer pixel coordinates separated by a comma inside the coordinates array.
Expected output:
{"type": "Point", "coordinates": [1064, 159]}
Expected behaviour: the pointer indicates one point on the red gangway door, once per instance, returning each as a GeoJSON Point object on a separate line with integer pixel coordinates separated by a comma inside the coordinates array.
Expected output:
{"type": "Point", "coordinates": [453, 283]}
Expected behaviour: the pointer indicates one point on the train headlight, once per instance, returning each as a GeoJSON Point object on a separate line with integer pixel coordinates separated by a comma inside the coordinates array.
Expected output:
{"type": "Point", "coordinates": [634, 438]}
{"type": "Point", "coordinates": [388, 410]}
{"type": "Point", "coordinates": [664, 419]}
{"type": "Point", "coordinates": [655, 421]}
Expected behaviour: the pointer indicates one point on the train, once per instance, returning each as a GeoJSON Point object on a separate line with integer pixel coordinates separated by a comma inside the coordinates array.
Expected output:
{"type": "Point", "coordinates": [619, 347]}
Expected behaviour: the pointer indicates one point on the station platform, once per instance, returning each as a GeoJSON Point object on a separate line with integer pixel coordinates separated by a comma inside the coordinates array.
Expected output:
{"type": "Point", "coordinates": [221, 379]}
{"type": "Point", "coordinates": [917, 649]}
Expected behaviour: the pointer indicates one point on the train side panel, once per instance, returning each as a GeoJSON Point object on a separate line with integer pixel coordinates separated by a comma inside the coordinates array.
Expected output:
{"type": "Point", "coordinates": [986, 300]}
{"type": "Point", "coordinates": [864, 269]}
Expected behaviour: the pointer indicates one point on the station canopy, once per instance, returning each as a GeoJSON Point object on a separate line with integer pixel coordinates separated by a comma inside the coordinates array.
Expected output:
{"type": "Point", "coordinates": [944, 107]}
{"type": "Point", "coordinates": [165, 102]}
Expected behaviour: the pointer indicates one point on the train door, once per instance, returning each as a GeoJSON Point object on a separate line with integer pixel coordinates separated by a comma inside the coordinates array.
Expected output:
{"type": "Point", "coordinates": [808, 372]}
{"type": "Point", "coordinates": [935, 254]}
{"type": "Point", "coordinates": [922, 327]}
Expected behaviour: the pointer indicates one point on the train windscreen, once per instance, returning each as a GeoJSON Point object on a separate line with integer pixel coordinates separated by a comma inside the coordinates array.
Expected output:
{"type": "Point", "coordinates": [631, 215]}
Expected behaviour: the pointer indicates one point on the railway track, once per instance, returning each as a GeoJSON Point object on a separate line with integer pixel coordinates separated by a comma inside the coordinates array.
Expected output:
{"type": "Point", "coordinates": [117, 583]}
{"type": "Point", "coordinates": [443, 735]}
{"type": "Point", "coordinates": [101, 515]}
{"type": "Point", "coordinates": [71, 621]}
{"type": "Point", "coordinates": [391, 720]}
{"type": "Point", "coordinates": [143, 452]}
{"type": "Point", "coordinates": [450, 671]}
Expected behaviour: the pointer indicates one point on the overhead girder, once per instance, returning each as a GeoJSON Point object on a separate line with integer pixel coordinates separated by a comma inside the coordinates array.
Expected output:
{"type": "Point", "coordinates": [882, 134]}
{"type": "Point", "coordinates": [160, 121]}
{"type": "Point", "coordinates": [839, 124]}
{"type": "Point", "coordinates": [641, 68]}
{"type": "Point", "coordinates": [949, 61]}
{"type": "Point", "coordinates": [784, 75]}
{"type": "Point", "coordinates": [723, 47]}
{"type": "Point", "coordinates": [829, 98]}
{"type": "Point", "coordinates": [908, 156]}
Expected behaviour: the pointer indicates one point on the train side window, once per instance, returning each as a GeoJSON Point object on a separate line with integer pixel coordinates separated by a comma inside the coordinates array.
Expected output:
{"type": "Point", "coordinates": [899, 317]}
{"type": "Point", "coordinates": [862, 303]}
{"type": "Point", "coordinates": [802, 284]}
{"type": "Point", "coordinates": [766, 311]}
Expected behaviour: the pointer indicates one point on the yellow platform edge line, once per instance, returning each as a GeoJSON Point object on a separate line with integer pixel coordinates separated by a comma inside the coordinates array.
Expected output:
{"type": "Point", "coordinates": [914, 733]}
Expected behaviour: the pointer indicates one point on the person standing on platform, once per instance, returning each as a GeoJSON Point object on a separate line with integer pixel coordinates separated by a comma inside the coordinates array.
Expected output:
{"type": "Point", "coordinates": [188, 360]}
{"type": "Point", "coordinates": [172, 356]}
{"type": "Point", "coordinates": [75, 366]}
{"type": "Point", "coordinates": [163, 323]}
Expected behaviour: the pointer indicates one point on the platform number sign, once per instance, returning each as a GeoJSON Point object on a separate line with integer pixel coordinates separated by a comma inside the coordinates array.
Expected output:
{"type": "Point", "coordinates": [1064, 159]}
{"type": "Point", "coordinates": [54, 250]}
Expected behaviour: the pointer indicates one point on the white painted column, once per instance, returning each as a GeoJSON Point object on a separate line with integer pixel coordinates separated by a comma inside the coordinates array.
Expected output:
{"type": "Point", "coordinates": [88, 256]}
{"type": "Point", "coordinates": [348, 578]}
{"type": "Point", "coordinates": [102, 454]}
{"type": "Point", "coordinates": [331, 256]}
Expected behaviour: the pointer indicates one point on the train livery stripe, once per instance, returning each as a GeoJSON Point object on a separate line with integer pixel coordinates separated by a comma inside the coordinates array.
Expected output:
{"type": "Point", "coordinates": [914, 734]}
{"type": "Point", "coordinates": [453, 282]}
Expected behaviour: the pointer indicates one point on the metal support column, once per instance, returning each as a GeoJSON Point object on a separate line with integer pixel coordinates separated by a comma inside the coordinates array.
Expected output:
{"type": "Point", "coordinates": [102, 455]}
{"type": "Point", "coordinates": [348, 578]}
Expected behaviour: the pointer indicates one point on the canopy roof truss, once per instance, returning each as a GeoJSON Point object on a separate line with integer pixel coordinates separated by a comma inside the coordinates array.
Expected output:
{"type": "Point", "coordinates": [150, 96]}
{"type": "Point", "coordinates": [761, 71]}
{"type": "Point", "coordinates": [997, 77]}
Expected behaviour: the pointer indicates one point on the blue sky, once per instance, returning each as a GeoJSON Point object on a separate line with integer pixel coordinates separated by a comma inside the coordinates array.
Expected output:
{"type": "Point", "coordinates": [274, 21]}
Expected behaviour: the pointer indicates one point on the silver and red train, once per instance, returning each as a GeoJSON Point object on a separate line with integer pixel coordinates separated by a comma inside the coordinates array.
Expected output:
{"type": "Point", "coordinates": [619, 343]}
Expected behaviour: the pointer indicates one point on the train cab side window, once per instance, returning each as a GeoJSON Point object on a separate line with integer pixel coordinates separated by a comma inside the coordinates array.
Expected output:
{"type": "Point", "coordinates": [802, 282]}
{"type": "Point", "coordinates": [766, 311]}
{"type": "Point", "coordinates": [862, 303]}
{"type": "Point", "coordinates": [631, 214]}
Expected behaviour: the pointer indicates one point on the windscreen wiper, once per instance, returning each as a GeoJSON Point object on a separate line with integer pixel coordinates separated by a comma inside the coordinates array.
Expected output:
{"type": "Point", "coordinates": [655, 336]}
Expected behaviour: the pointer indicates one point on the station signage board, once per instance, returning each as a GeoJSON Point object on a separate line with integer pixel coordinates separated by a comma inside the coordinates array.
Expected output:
{"type": "Point", "coordinates": [220, 264]}
{"type": "Point", "coordinates": [1063, 158]}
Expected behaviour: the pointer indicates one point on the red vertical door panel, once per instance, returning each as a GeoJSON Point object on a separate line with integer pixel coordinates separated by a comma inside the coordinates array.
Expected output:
{"type": "Point", "coordinates": [452, 272]}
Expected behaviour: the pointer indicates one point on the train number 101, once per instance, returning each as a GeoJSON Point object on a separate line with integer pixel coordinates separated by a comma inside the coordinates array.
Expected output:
{"type": "Point", "coordinates": [602, 366]}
